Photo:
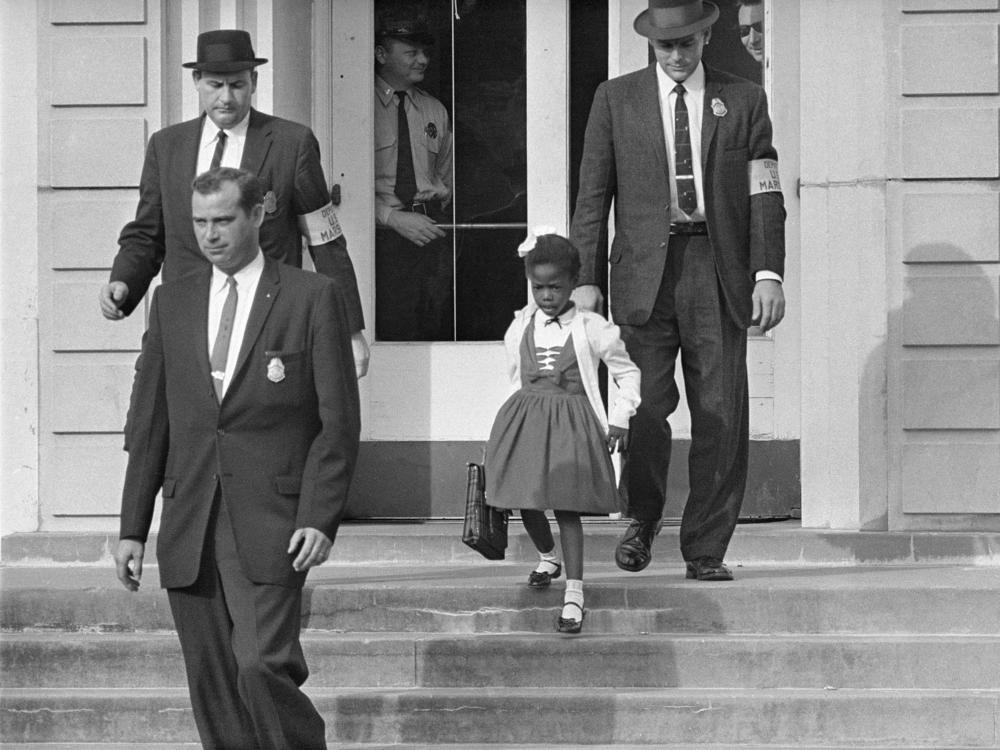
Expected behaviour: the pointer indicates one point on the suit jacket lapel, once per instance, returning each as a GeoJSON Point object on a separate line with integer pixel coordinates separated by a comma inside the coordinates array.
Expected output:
{"type": "Point", "coordinates": [267, 291]}
{"type": "Point", "coordinates": [195, 323]}
{"type": "Point", "coordinates": [189, 139]}
{"type": "Point", "coordinates": [258, 142]}
{"type": "Point", "coordinates": [709, 122]}
{"type": "Point", "coordinates": [650, 119]}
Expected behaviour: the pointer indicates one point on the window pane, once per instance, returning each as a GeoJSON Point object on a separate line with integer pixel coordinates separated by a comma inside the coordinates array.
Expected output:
{"type": "Point", "coordinates": [477, 70]}
{"type": "Point", "coordinates": [738, 40]}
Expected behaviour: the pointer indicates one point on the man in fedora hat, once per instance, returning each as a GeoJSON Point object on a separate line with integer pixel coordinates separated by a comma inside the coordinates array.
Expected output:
{"type": "Point", "coordinates": [230, 133]}
{"type": "Point", "coordinates": [684, 153]}
{"type": "Point", "coordinates": [413, 187]}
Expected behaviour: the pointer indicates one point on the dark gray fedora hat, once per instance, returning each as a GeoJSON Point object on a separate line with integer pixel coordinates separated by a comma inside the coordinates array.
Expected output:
{"type": "Point", "coordinates": [225, 51]}
{"type": "Point", "coordinates": [675, 19]}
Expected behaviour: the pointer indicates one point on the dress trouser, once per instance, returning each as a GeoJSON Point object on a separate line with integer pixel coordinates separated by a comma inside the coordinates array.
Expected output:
{"type": "Point", "coordinates": [690, 318]}
{"type": "Point", "coordinates": [242, 653]}
{"type": "Point", "coordinates": [413, 288]}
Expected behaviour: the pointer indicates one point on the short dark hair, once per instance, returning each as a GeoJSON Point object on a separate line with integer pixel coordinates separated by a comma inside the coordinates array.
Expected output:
{"type": "Point", "coordinates": [211, 182]}
{"type": "Point", "coordinates": [748, 3]}
{"type": "Point", "coordinates": [199, 73]}
{"type": "Point", "coordinates": [555, 250]}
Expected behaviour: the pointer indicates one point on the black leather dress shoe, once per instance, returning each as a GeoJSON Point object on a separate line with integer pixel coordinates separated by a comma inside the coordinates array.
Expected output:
{"type": "Point", "coordinates": [635, 549]}
{"type": "Point", "coordinates": [708, 569]}
{"type": "Point", "coordinates": [569, 624]}
{"type": "Point", "coordinates": [539, 580]}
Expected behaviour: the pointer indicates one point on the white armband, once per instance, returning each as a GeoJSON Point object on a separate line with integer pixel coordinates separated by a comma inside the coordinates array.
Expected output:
{"type": "Point", "coordinates": [764, 176]}
{"type": "Point", "coordinates": [320, 226]}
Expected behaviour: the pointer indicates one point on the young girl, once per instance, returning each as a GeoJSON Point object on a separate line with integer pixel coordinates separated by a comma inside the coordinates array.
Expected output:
{"type": "Point", "coordinates": [550, 445]}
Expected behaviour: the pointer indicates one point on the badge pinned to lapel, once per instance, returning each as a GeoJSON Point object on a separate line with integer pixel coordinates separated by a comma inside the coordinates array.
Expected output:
{"type": "Point", "coordinates": [431, 130]}
{"type": "Point", "coordinates": [270, 202]}
{"type": "Point", "coordinates": [719, 107]}
{"type": "Point", "coordinates": [275, 370]}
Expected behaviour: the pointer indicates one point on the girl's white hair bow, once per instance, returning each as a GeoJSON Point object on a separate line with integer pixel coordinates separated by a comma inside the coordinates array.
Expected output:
{"type": "Point", "coordinates": [533, 234]}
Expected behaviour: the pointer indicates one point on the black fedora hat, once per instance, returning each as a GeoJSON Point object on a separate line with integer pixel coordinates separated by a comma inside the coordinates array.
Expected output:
{"type": "Point", "coordinates": [225, 51]}
{"type": "Point", "coordinates": [675, 19]}
{"type": "Point", "coordinates": [405, 29]}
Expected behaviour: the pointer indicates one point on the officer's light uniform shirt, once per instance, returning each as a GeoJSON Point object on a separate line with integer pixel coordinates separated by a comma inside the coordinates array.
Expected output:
{"type": "Point", "coordinates": [431, 141]}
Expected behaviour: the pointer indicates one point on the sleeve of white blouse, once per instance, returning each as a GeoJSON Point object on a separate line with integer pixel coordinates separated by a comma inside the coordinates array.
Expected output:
{"type": "Point", "coordinates": [510, 353]}
{"type": "Point", "coordinates": [609, 345]}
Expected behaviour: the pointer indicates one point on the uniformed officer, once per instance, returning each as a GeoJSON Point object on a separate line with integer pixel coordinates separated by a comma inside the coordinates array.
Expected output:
{"type": "Point", "coordinates": [284, 155]}
{"type": "Point", "coordinates": [413, 187]}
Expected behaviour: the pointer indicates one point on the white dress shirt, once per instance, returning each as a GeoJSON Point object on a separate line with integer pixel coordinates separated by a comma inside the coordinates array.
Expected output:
{"type": "Point", "coordinates": [695, 101]}
{"type": "Point", "coordinates": [236, 138]}
{"type": "Point", "coordinates": [246, 287]}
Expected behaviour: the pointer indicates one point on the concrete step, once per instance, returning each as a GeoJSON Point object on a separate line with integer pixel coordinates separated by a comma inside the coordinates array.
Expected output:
{"type": "Point", "coordinates": [485, 597]}
{"type": "Point", "coordinates": [372, 660]}
{"type": "Point", "coordinates": [439, 542]}
{"type": "Point", "coordinates": [452, 746]}
{"type": "Point", "coordinates": [592, 716]}
{"type": "Point", "coordinates": [455, 746]}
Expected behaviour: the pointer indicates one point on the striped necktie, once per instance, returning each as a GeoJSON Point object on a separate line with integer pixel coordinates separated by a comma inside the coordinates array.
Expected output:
{"type": "Point", "coordinates": [687, 197]}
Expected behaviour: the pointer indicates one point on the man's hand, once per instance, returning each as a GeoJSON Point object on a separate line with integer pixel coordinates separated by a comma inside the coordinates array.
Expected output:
{"type": "Point", "coordinates": [313, 545]}
{"type": "Point", "coordinates": [417, 228]}
{"type": "Point", "coordinates": [588, 297]}
{"type": "Point", "coordinates": [362, 354]}
{"type": "Point", "coordinates": [617, 436]}
{"type": "Point", "coordinates": [768, 303]}
{"type": "Point", "coordinates": [128, 562]}
{"type": "Point", "coordinates": [110, 297]}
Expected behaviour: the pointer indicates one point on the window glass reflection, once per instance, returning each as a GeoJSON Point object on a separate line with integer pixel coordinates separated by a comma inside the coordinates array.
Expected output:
{"type": "Point", "coordinates": [737, 44]}
{"type": "Point", "coordinates": [465, 285]}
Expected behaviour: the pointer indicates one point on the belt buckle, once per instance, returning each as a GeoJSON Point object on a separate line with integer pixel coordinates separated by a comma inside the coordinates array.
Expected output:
{"type": "Point", "coordinates": [419, 208]}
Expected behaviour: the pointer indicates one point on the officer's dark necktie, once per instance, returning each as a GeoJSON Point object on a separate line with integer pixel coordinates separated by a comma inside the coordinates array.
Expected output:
{"type": "Point", "coordinates": [406, 180]}
{"type": "Point", "coordinates": [220, 350]}
{"type": "Point", "coordinates": [220, 147]}
{"type": "Point", "coordinates": [687, 197]}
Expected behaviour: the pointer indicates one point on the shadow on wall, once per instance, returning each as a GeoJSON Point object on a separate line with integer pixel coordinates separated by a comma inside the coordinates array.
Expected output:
{"type": "Point", "coordinates": [937, 379]}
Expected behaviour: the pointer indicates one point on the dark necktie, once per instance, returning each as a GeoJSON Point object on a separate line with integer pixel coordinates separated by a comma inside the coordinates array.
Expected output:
{"type": "Point", "coordinates": [220, 350]}
{"type": "Point", "coordinates": [687, 198]}
{"type": "Point", "coordinates": [554, 320]}
{"type": "Point", "coordinates": [406, 181]}
{"type": "Point", "coordinates": [220, 147]}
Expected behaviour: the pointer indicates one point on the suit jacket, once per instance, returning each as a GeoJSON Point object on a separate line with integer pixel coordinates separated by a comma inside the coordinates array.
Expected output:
{"type": "Point", "coordinates": [283, 154]}
{"type": "Point", "coordinates": [283, 452]}
{"type": "Point", "coordinates": [625, 161]}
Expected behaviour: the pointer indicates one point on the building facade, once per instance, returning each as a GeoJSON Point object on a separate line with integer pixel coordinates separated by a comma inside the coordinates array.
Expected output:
{"type": "Point", "coordinates": [875, 404]}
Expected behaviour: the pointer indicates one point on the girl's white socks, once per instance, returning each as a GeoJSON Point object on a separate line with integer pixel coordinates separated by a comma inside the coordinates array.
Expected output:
{"type": "Point", "coordinates": [573, 595]}
{"type": "Point", "coordinates": [549, 562]}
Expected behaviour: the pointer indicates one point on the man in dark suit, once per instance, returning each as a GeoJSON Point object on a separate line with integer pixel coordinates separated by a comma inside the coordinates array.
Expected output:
{"type": "Point", "coordinates": [684, 152]}
{"type": "Point", "coordinates": [245, 413]}
{"type": "Point", "coordinates": [229, 133]}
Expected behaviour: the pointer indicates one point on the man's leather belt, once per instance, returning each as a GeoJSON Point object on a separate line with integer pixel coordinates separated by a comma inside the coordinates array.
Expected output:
{"type": "Point", "coordinates": [689, 227]}
{"type": "Point", "coordinates": [428, 208]}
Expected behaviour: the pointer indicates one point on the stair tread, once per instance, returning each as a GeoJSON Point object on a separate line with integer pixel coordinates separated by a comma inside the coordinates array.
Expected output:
{"type": "Point", "coordinates": [564, 694]}
{"type": "Point", "coordinates": [449, 746]}
{"type": "Point", "coordinates": [598, 576]}
{"type": "Point", "coordinates": [318, 636]}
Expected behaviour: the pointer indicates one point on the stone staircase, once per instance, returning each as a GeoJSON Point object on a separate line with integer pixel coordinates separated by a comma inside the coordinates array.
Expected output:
{"type": "Point", "coordinates": [825, 640]}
